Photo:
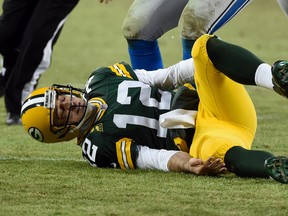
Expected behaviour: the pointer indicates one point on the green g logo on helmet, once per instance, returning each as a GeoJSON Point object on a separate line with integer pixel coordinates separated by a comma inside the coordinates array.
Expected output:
{"type": "Point", "coordinates": [37, 115]}
{"type": "Point", "coordinates": [36, 134]}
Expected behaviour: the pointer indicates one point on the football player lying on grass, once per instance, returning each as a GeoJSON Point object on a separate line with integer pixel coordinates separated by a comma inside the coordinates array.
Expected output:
{"type": "Point", "coordinates": [133, 119]}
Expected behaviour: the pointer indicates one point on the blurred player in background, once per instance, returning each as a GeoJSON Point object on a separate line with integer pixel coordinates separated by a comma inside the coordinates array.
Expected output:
{"type": "Point", "coordinates": [148, 20]}
{"type": "Point", "coordinates": [132, 119]}
{"type": "Point", "coordinates": [28, 31]}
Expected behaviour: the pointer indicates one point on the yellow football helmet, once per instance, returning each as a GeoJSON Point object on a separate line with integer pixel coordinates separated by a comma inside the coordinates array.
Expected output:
{"type": "Point", "coordinates": [37, 114]}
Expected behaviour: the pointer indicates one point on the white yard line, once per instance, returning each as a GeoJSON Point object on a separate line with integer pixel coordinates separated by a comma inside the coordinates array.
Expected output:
{"type": "Point", "coordinates": [40, 159]}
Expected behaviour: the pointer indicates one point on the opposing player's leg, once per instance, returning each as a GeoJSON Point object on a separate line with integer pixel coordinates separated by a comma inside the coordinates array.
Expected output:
{"type": "Point", "coordinates": [145, 23]}
{"type": "Point", "coordinates": [205, 16]}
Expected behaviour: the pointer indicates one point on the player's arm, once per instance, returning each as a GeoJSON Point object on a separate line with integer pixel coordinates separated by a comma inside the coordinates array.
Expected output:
{"type": "Point", "coordinates": [168, 78]}
{"type": "Point", "coordinates": [177, 161]}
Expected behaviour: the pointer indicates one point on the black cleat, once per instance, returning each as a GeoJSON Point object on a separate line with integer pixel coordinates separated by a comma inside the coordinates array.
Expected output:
{"type": "Point", "coordinates": [280, 77]}
{"type": "Point", "coordinates": [277, 168]}
{"type": "Point", "coordinates": [13, 119]}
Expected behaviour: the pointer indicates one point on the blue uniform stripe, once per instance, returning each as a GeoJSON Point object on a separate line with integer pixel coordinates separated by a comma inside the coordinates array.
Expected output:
{"type": "Point", "coordinates": [233, 8]}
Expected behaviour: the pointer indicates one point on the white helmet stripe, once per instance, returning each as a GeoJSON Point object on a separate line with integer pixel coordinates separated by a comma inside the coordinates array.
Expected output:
{"type": "Point", "coordinates": [32, 102]}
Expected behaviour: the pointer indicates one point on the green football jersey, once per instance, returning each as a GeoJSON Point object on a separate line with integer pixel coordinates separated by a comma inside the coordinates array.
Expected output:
{"type": "Point", "coordinates": [129, 116]}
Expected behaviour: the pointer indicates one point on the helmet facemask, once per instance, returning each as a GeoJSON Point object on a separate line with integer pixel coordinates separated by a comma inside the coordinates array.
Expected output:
{"type": "Point", "coordinates": [61, 129]}
{"type": "Point", "coordinates": [39, 117]}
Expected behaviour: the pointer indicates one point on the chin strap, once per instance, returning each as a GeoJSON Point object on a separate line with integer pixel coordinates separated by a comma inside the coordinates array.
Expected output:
{"type": "Point", "coordinates": [92, 115]}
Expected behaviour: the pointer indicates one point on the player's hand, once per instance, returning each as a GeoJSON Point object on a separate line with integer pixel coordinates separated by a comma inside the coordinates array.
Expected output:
{"type": "Point", "coordinates": [210, 167]}
{"type": "Point", "coordinates": [105, 1]}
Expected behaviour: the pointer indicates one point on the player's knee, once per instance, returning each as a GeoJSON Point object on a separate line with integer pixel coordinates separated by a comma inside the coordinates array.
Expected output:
{"type": "Point", "coordinates": [131, 27]}
{"type": "Point", "coordinates": [195, 19]}
{"type": "Point", "coordinates": [134, 25]}
{"type": "Point", "coordinates": [199, 49]}
{"type": "Point", "coordinates": [216, 148]}
{"type": "Point", "coordinates": [138, 28]}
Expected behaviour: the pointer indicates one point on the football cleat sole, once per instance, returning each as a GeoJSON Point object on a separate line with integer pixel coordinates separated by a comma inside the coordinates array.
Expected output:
{"type": "Point", "coordinates": [277, 168]}
{"type": "Point", "coordinates": [280, 77]}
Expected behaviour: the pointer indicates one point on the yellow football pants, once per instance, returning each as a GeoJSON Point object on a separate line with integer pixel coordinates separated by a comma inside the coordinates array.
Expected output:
{"type": "Point", "coordinates": [226, 115]}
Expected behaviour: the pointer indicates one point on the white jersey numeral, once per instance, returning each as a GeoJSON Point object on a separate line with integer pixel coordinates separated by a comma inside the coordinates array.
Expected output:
{"type": "Point", "coordinates": [90, 150]}
{"type": "Point", "coordinates": [145, 92]}
{"type": "Point", "coordinates": [87, 88]}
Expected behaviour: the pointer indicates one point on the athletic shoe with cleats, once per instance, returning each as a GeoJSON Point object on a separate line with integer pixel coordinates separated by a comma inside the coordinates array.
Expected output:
{"type": "Point", "coordinates": [13, 119]}
{"type": "Point", "coordinates": [280, 77]}
{"type": "Point", "coordinates": [277, 168]}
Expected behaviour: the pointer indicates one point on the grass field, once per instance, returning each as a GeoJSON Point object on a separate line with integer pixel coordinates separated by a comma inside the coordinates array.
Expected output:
{"type": "Point", "coordinates": [38, 179]}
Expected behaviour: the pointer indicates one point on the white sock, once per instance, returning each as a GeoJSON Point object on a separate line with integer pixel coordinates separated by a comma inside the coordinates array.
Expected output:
{"type": "Point", "coordinates": [263, 76]}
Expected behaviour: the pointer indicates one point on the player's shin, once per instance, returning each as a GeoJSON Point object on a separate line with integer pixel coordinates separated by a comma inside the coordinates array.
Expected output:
{"type": "Point", "coordinates": [246, 163]}
{"type": "Point", "coordinates": [145, 54]}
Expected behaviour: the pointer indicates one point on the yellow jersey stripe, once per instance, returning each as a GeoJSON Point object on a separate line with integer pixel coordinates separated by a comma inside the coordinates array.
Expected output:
{"type": "Point", "coordinates": [181, 144]}
{"type": "Point", "coordinates": [120, 70]}
{"type": "Point", "coordinates": [123, 147]}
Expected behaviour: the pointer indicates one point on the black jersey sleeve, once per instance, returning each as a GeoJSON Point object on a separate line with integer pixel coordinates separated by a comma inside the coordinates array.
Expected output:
{"type": "Point", "coordinates": [101, 150]}
{"type": "Point", "coordinates": [96, 85]}
{"type": "Point", "coordinates": [121, 69]}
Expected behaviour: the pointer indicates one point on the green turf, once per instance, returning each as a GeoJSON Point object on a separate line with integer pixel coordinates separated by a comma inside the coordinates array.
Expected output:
{"type": "Point", "coordinates": [38, 179]}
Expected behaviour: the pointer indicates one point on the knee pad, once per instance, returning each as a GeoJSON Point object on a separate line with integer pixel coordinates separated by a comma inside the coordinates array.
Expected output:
{"type": "Point", "coordinates": [150, 19]}
{"type": "Point", "coordinates": [132, 26]}
{"type": "Point", "coordinates": [195, 19]}
{"type": "Point", "coordinates": [137, 19]}
{"type": "Point", "coordinates": [211, 147]}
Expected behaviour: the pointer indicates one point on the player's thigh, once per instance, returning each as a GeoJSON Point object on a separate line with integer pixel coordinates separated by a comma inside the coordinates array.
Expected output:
{"type": "Point", "coordinates": [225, 99]}
{"type": "Point", "coordinates": [207, 16]}
{"type": "Point", "coordinates": [150, 19]}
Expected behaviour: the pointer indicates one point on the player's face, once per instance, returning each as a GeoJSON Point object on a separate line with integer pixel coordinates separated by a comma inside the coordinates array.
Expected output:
{"type": "Point", "coordinates": [68, 110]}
